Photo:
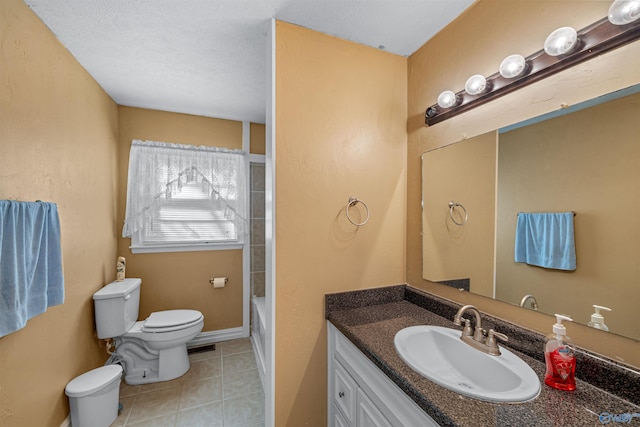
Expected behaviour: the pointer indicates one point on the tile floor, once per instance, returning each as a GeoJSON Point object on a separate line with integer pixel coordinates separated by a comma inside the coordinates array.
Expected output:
{"type": "Point", "coordinates": [221, 389]}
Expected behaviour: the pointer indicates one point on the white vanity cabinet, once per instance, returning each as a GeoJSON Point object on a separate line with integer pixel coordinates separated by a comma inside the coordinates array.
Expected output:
{"type": "Point", "coordinates": [360, 395]}
{"type": "Point", "coordinates": [367, 414]}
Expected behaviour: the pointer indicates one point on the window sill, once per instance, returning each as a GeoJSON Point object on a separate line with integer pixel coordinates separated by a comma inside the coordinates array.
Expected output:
{"type": "Point", "coordinates": [193, 247]}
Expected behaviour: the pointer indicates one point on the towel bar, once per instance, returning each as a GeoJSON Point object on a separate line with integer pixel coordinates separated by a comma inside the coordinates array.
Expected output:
{"type": "Point", "coordinates": [352, 202]}
{"type": "Point", "coordinates": [574, 214]}
{"type": "Point", "coordinates": [452, 206]}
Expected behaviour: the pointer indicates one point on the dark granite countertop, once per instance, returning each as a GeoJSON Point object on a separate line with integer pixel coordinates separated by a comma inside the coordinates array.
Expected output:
{"type": "Point", "coordinates": [371, 318]}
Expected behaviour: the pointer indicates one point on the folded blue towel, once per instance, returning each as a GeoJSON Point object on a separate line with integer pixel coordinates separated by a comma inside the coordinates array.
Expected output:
{"type": "Point", "coordinates": [546, 240]}
{"type": "Point", "coordinates": [31, 277]}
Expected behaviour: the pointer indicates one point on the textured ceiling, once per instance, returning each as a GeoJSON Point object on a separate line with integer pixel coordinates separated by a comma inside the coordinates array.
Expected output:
{"type": "Point", "coordinates": [207, 57]}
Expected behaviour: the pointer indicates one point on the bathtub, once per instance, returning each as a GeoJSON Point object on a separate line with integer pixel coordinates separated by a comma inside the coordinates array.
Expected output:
{"type": "Point", "coordinates": [258, 329]}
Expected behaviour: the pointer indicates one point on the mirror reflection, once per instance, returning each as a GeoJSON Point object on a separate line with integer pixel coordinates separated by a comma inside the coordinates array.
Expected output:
{"type": "Point", "coordinates": [584, 160]}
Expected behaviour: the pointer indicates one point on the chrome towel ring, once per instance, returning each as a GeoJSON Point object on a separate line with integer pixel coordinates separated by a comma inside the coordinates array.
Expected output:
{"type": "Point", "coordinates": [452, 206]}
{"type": "Point", "coordinates": [351, 203]}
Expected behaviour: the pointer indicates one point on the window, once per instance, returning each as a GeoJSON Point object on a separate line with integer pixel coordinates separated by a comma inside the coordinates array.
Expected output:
{"type": "Point", "coordinates": [182, 197]}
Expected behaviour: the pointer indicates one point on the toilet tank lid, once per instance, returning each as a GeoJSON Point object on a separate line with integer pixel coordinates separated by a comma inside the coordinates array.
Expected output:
{"type": "Point", "coordinates": [92, 381]}
{"type": "Point", "coordinates": [117, 289]}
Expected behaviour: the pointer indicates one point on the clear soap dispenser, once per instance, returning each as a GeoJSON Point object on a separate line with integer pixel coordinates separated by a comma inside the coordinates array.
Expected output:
{"type": "Point", "coordinates": [597, 319]}
{"type": "Point", "coordinates": [560, 357]}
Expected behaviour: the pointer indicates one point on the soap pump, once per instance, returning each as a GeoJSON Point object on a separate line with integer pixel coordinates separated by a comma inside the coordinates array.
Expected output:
{"type": "Point", "coordinates": [597, 319]}
{"type": "Point", "coordinates": [560, 357]}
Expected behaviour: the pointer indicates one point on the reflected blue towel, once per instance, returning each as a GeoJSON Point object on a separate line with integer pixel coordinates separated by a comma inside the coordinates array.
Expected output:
{"type": "Point", "coordinates": [31, 276]}
{"type": "Point", "coordinates": [546, 240]}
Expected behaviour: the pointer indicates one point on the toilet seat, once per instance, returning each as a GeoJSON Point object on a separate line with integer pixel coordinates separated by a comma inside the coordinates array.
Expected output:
{"type": "Point", "coordinates": [170, 320]}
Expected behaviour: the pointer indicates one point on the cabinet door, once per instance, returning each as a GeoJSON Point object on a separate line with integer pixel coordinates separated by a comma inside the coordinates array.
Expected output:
{"type": "Point", "coordinates": [338, 419]}
{"type": "Point", "coordinates": [344, 393]}
{"type": "Point", "coordinates": [367, 413]}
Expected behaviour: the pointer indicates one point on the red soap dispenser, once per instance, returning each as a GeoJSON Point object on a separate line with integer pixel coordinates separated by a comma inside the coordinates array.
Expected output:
{"type": "Point", "coordinates": [560, 357]}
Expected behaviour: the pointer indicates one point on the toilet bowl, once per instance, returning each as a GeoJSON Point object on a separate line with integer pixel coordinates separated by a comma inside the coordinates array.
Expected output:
{"type": "Point", "coordinates": [140, 345]}
{"type": "Point", "coordinates": [151, 350]}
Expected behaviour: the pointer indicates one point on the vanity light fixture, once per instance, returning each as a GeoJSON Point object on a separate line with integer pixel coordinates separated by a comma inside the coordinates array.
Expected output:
{"type": "Point", "coordinates": [561, 42]}
{"type": "Point", "coordinates": [475, 85]}
{"type": "Point", "coordinates": [563, 48]}
{"type": "Point", "coordinates": [447, 99]}
{"type": "Point", "coordinates": [623, 12]}
{"type": "Point", "coordinates": [513, 66]}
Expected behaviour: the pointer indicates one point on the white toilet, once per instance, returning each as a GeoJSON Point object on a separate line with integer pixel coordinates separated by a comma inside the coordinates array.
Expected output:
{"type": "Point", "coordinates": [151, 350]}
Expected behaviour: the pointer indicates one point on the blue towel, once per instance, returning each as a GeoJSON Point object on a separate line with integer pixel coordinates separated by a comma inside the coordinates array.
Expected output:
{"type": "Point", "coordinates": [546, 240]}
{"type": "Point", "coordinates": [31, 276]}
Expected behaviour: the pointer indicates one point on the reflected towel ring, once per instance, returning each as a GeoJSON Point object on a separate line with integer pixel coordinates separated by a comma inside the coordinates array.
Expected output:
{"type": "Point", "coordinates": [452, 206]}
{"type": "Point", "coordinates": [352, 202]}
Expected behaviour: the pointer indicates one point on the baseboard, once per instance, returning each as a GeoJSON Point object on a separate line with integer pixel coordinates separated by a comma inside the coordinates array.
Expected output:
{"type": "Point", "coordinates": [66, 422]}
{"type": "Point", "coordinates": [216, 336]}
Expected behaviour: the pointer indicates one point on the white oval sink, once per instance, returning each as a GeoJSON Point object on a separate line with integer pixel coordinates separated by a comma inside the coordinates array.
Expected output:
{"type": "Point", "coordinates": [438, 354]}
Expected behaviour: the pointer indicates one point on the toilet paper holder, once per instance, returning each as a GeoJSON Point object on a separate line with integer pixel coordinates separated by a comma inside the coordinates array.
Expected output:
{"type": "Point", "coordinates": [212, 280]}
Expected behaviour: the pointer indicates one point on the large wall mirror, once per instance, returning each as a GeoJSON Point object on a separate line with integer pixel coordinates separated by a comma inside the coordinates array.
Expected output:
{"type": "Point", "coordinates": [586, 160]}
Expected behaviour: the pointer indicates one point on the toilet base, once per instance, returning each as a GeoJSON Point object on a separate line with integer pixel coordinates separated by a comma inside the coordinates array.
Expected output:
{"type": "Point", "coordinates": [143, 365]}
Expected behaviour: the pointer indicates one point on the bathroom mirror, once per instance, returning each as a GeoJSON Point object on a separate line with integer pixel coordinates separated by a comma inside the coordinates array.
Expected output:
{"type": "Point", "coordinates": [584, 159]}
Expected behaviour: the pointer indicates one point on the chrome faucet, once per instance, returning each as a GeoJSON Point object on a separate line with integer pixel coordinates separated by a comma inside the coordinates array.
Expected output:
{"type": "Point", "coordinates": [477, 338]}
{"type": "Point", "coordinates": [534, 303]}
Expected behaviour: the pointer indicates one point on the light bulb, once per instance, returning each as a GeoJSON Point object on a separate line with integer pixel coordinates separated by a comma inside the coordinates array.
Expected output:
{"type": "Point", "coordinates": [447, 99]}
{"type": "Point", "coordinates": [624, 12]}
{"type": "Point", "coordinates": [475, 85]}
{"type": "Point", "coordinates": [561, 41]}
{"type": "Point", "coordinates": [512, 66]}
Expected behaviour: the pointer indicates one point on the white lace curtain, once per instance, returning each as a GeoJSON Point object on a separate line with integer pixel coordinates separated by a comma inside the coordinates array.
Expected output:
{"type": "Point", "coordinates": [200, 183]}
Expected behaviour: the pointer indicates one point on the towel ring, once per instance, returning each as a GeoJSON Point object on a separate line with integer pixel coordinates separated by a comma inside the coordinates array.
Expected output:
{"type": "Point", "coordinates": [351, 203]}
{"type": "Point", "coordinates": [452, 206]}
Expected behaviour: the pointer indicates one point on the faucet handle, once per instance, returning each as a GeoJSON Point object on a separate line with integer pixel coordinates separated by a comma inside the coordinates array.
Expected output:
{"type": "Point", "coordinates": [492, 343]}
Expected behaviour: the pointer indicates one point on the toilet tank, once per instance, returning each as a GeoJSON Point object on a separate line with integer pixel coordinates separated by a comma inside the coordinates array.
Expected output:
{"type": "Point", "coordinates": [116, 306]}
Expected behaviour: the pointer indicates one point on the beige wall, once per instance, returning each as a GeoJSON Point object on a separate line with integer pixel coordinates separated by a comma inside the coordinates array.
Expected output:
{"type": "Point", "coordinates": [464, 173]}
{"type": "Point", "coordinates": [586, 162]}
{"type": "Point", "coordinates": [476, 43]}
{"type": "Point", "coordinates": [58, 143]}
{"type": "Point", "coordinates": [257, 141]}
{"type": "Point", "coordinates": [180, 279]}
{"type": "Point", "coordinates": [340, 128]}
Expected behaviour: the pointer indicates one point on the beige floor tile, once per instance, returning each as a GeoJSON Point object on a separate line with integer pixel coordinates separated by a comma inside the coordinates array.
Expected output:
{"type": "Point", "coordinates": [128, 390]}
{"type": "Point", "coordinates": [241, 383]}
{"type": "Point", "coordinates": [163, 421]}
{"type": "Point", "coordinates": [127, 404]}
{"type": "Point", "coordinates": [145, 388]}
{"type": "Point", "coordinates": [210, 415]}
{"type": "Point", "coordinates": [219, 390]}
{"type": "Point", "coordinates": [238, 362]}
{"type": "Point", "coordinates": [244, 411]}
{"type": "Point", "coordinates": [154, 404]}
{"type": "Point", "coordinates": [196, 393]}
{"type": "Point", "coordinates": [236, 346]}
{"type": "Point", "coordinates": [202, 369]}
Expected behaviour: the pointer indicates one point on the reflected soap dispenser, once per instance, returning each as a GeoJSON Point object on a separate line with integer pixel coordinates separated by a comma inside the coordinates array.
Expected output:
{"type": "Point", "coordinates": [597, 319]}
{"type": "Point", "coordinates": [560, 357]}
